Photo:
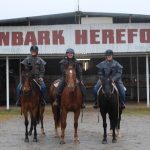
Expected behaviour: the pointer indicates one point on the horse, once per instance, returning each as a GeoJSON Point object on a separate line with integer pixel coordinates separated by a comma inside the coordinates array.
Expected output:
{"type": "Point", "coordinates": [71, 100]}
{"type": "Point", "coordinates": [108, 98]}
{"type": "Point", "coordinates": [31, 104]}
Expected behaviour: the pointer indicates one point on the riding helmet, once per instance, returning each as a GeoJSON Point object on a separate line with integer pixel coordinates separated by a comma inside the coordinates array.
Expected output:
{"type": "Point", "coordinates": [34, 48]}
{"type": "Point", "coordinates": [70, 50]}
{"type": "Point", "coordinates": [108, 52]}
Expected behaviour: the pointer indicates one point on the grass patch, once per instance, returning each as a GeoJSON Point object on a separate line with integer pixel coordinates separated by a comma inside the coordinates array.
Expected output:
{"type": "Point", "coordinates": [8, 114]}
{"type": "Point", "coordinates": [16, 111]}
{"type": "Point", "coordinates": [137, 110]}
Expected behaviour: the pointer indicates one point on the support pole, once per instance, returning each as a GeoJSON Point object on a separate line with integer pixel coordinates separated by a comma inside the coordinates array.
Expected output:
{"type": "Point", "coordinates": [7, 82]}
{"type": "Point", "coordinates": [137, 81]}
{"type": "Point", "coordinates": [147, 79]}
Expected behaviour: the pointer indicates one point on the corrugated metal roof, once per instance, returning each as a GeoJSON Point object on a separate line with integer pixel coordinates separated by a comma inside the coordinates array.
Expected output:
{"type": "Point", "coordinates": [72, 14]}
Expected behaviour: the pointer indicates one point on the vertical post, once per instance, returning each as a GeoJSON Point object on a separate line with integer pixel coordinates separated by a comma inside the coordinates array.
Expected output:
{"type": "Point", "coordinates": [147, 79]}
{"type": "Point", "coordinates": [137, 81]}
{"type": "Point", "coordinates": [19, 70]}
{"type": "Point", "coordinates": [131, 77]}
{"type": "Point", "coordinates": [7, 82]}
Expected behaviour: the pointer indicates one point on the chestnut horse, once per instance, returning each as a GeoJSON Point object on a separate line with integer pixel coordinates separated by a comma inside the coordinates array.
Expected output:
{"type": "Point", "coordinates": [108, 99]}
{"type": "Point", "coordinates": [31, 104]}
{"type": "Point", "coordinates": [71, 100]}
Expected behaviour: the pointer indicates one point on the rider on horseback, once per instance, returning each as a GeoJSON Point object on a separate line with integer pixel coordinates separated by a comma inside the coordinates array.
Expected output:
{"type": "Point", "coordinates": [69, 59]}
{"type": "Point", "coordinates": [110, 67]}
{"type": "Point", "coordinates": [36, 66]}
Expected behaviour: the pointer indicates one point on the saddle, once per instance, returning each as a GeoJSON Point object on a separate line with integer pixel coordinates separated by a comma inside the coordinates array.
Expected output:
{"type": "Point", "coordinates": [56, 82]}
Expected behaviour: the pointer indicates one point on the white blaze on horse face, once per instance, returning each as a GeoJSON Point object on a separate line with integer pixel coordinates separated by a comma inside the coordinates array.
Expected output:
{"type": "Point", "coordinates": [71, 71]}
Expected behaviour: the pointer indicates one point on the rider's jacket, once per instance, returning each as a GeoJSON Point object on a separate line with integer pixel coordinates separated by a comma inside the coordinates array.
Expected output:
{"type": "Point", "coordinates": [36, 65]}
{"type": "Point", "coordinates": [110, 68]}
{"type": "Point", "coordinates": [64, 62]}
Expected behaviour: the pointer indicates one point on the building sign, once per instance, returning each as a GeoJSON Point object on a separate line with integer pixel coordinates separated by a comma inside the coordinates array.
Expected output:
{"type": "Point", "coordinates": [83, 38]}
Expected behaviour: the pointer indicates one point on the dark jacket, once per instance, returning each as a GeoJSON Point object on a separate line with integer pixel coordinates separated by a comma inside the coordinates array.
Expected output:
{"type": "Point", "coordinates": [64, 62]}
{"type": "Point", "coordinates": [36, 65]}
{"type": "Point", "coordinates": [110, 68]}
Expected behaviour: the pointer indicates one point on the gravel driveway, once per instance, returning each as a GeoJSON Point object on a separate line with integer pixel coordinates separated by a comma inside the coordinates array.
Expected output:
{"type": "Point", "coordinates": [135, 132]}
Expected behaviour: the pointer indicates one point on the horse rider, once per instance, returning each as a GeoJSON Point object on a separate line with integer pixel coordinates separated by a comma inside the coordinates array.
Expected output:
{"type": "Point", "coordinates": [110, 67]}
{"type": "Point", "coordinates": [69, 59]}
{"type": "Point", "coordinates": [36, 66]}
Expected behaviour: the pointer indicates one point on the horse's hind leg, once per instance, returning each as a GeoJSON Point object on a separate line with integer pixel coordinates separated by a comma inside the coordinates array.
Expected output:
{"type": "Point", "coordinates": [118, 125]}
{"type": "Point", "coordinates": [41, 118]}
{"type": "Point", "coordinates": [76, 116]}
{"type": "Point", "coordinates": [31, 126]}
{"type": "Point", "coordinates": [104, 141]}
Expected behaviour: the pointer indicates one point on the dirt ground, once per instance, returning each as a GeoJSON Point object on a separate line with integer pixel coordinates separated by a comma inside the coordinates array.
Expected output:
{"type": "Point", "coordinates": [135, 131]}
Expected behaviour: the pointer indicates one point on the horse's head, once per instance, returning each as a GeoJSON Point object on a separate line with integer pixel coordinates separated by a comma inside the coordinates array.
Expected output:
{"type": "Point", "coordinates": [107, 87]}
{"type": "Point", "coordinates": [70, 76]}
{"type": "Point", "coordinates": [26, 82]}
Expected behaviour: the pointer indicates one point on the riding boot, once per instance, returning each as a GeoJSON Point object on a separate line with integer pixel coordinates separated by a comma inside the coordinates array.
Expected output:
{"type": "Point", "coordinates": [18, 92]}
{"type": "Point", "coordinates": [123, 106]}
{"type": "Point", "coordinates": [18, 103]}
{"type": "Point", "coordinates": [95, 105]}
{"type": "Point", "coordinates": [43, 101]}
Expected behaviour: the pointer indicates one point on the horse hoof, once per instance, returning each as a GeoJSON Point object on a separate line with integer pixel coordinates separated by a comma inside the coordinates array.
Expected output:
{"type": "Point", "coordinates": [26, 140]}
{"type": "Point", "coordinates": [62, 142]}
{"type": "Point", "coordinates": [104, 142]}
{"type": "Point", "coordinates": [42, 131]}
{"type": "Point", "coordinates": [56, 136]}
{"type": "Point", "coordinates": [76, 141]}
{"type": "Point", "coordinates": [34, 140]}
{"type": "Point", "coordinates": [114, 140]}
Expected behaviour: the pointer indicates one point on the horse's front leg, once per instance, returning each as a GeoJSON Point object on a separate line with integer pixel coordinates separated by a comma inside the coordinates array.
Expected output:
{"type": "Point", "coordinates": [104, 141]}
{"type": "Point", "coordinates": [63, 125]}
{"type": "Point", "coordinates": [31, 126]}
{"type": "Point", "coordinates": [35, 131]}
{"type": "Point", "coordinates": [42, 127]}
{"type": "Point", "coordinates": [76, 116]}
{"type": "Point", "coordinates": [113, 124]}
{"type": "Point", "coordinates": [26, 128]}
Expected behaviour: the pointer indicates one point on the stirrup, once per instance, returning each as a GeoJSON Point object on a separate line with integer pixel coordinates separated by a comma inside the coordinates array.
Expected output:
{"type": "Point", "coordinates": [123, 106]}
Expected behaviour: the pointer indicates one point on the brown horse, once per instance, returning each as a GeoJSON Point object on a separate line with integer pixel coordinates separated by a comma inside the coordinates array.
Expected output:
{"type": "Point", "coordinates": [71, 100]}
{"type": "Point", "coordinates": [30, 104]}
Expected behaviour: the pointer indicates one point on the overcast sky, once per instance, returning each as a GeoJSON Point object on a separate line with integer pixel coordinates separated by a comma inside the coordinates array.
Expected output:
{"type": "Point", "coordinates": [26, 8]}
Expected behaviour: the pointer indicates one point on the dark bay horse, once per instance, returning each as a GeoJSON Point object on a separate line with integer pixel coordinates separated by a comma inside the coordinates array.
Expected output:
{"type": "Point", "coordinates": [30, 104]}
{"type": "Point", "coordinates": [108, 99]}
{"type": "Point", "coordinates": [71, 100]}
